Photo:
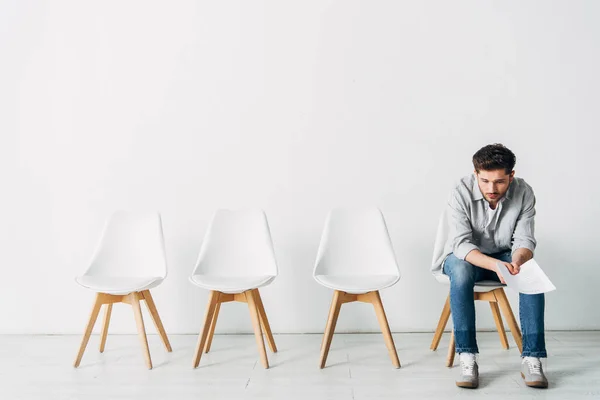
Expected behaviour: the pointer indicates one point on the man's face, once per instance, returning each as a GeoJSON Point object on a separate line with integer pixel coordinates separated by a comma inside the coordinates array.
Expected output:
{"type": "Point", "coordinates": [494, 184]}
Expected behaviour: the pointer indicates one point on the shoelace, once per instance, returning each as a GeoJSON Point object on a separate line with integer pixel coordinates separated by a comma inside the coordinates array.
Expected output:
{"type": "Point", "coordinates": [534, 364]}
{"type": "Point", "coordinates": [467, 366]}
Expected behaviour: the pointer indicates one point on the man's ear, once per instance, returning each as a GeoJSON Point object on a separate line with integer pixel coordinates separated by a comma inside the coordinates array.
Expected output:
{"type": "Point", "coordinates": [511, 176]}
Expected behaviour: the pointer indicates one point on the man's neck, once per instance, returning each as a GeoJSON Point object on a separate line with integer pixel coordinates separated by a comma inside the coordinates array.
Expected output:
{"type": "Point", "coordinates": [492, 205]}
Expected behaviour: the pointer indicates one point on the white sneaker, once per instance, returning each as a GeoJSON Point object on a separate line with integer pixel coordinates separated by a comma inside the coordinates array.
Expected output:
{"type": "Point", "coordinates": [469, 371]}
{"type": "Point", "coordinates": [533, 373]}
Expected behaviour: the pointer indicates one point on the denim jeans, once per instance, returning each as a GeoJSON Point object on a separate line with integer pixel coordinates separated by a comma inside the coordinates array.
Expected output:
{"type": "Point", "coordinates": [463, 276]}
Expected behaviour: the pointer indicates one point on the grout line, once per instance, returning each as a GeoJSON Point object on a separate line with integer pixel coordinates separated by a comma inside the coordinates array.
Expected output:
{"type": "Point", "coordinates": [348, 360]}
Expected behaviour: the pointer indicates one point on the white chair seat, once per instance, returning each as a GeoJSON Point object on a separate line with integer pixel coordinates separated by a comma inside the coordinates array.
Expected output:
{"type": "Point", "coordinates": [231, 284]}
{"type": "Point", "coordinates": [118, 285]}
{"type": "Point", "coordinates": [357, 284]}
{"type": "Point", "coordinates": [480, 287]}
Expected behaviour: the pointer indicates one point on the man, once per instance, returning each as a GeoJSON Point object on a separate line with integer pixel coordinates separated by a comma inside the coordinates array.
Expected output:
{"type": "Point", "coordinates": [491, 220]}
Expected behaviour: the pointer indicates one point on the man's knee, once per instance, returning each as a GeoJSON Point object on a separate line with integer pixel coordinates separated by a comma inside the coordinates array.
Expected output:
{"type": "Point", "coordinates": [461, 272]}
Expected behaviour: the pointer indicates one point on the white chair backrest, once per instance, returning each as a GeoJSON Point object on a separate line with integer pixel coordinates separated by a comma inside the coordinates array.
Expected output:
{"type": "Point", "coordinates": [439, 255]}
{"type": "Point", "coordinates": [443, 229]}
{"type": "Point", "coordinates": [356, 242]}
{"type": "Point", "coordinates": [132, 245]}
{"type": "Point", "coordinates": [237, 243]}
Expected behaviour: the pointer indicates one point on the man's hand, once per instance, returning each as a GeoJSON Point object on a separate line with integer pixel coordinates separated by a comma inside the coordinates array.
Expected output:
{"type": "Point", "coordinates": [520, 257]}
{"type": "Point", "coordinates": [481, 260]}
{"type": "Point", "coordinates": [516, 268]}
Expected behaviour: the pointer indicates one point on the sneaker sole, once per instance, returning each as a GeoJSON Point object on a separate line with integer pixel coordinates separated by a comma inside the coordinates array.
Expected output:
{"type": "Point", "coordinates": [467, 385]}
{"type": "Point", "coordinates": [535, 384]}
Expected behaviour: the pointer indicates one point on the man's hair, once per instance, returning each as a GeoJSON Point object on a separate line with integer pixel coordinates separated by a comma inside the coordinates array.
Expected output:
{"type": "Point", "coordinates": [493, 157]}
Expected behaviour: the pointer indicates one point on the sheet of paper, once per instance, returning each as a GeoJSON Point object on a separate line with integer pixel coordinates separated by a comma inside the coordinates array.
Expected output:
{"type": "Point", "coordinates": [530, 280]}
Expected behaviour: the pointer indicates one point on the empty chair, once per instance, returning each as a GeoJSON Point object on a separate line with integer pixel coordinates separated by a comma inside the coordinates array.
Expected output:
{"type": "Point", "coordinates": [128, 262]}
{"type": "Point", "coordinates": [356, 260]}
{"type": "Point", "coordinates": [490, 291]}
{"type": "Point", "coordinates": [236, 258]}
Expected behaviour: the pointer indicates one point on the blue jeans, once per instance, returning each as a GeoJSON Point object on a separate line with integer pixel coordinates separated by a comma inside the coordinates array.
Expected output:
{"type": "Point", "coordinates": [463, 276]}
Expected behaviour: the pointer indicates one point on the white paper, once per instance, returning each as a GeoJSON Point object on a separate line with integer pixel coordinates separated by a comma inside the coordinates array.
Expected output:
{"type": "Point", "coordinates": [530, 280]}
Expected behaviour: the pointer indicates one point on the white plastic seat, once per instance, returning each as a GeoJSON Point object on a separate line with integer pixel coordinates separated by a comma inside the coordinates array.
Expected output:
{"type": "Point", "coordinates": [487, 290]}
{"type": "Point", "coordinates": [118, 285]}
{"type": "Point", "coordinates": [236, 258]}
{"type": "Point", "coordinates": [129, 261]}
{"type": "Point", "coordinates": [226, 284]}
{"type": "Point", "coordinates": [355, 283]}
{"type": "Point", "coordinates": [356, 259]}
{"type": "Point", "coordinates": [480, 286]}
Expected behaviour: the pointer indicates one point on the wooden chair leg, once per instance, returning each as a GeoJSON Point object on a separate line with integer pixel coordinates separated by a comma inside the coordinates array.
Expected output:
{"type": "Point", "coordinates": [134, 298]}
{"type": "Point", "coordinates": [250, 297]}
{"type": "Point", "coordinates": [510, 318]}
{"type": "Point", "coordinates": [210, 310]}
{"type": "Point", "coordinates": [439, 331]}
{"type": "Point", "coordinates": [334, 312]}
{"type": "Point", "coordinates": [451, 351]}
{"type": "Point", "coordinates": [105, 323]}
{"type": "Point", "coordinates": [89, 328]}
{"type": "Point", "coordinates": [264, 321]}
{"type": "Point", "coordinates": [331, 311]}
{"type": "Point", "coordinates": [213, 325]}
{"type": "Point", "coordinates": [499, 324]}
{"type": "Point", "coordinates": [385, 328]}
{"type": "Point", "coordinates": [156, 319]}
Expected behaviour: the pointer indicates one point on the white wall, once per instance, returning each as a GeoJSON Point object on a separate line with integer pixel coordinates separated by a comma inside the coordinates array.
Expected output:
{"type": "Point", "coordinates": [295, 107]}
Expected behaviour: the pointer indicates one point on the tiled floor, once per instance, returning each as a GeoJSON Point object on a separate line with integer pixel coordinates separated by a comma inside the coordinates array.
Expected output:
{"type": "Point", "coordinates": [40, 367]}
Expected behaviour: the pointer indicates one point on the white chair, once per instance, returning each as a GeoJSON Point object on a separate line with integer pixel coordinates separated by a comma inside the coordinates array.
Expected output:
{"type": "Point", "coordinates": [236, 258]}
{"type": "Point", "coordinates": [490, 291]}
{"type": "Point", "coordinates": [356, 259]}
{"type": "Point", "coordinates": [128, 262]}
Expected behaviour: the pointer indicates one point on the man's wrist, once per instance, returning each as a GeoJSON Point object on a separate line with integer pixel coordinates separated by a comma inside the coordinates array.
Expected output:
{"type": "Point", "coordinates": [518, 261]}
{"type": "Point", "coordinates": [493, 264]}
{"type": "Point", "coordinates": [521, 256]}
